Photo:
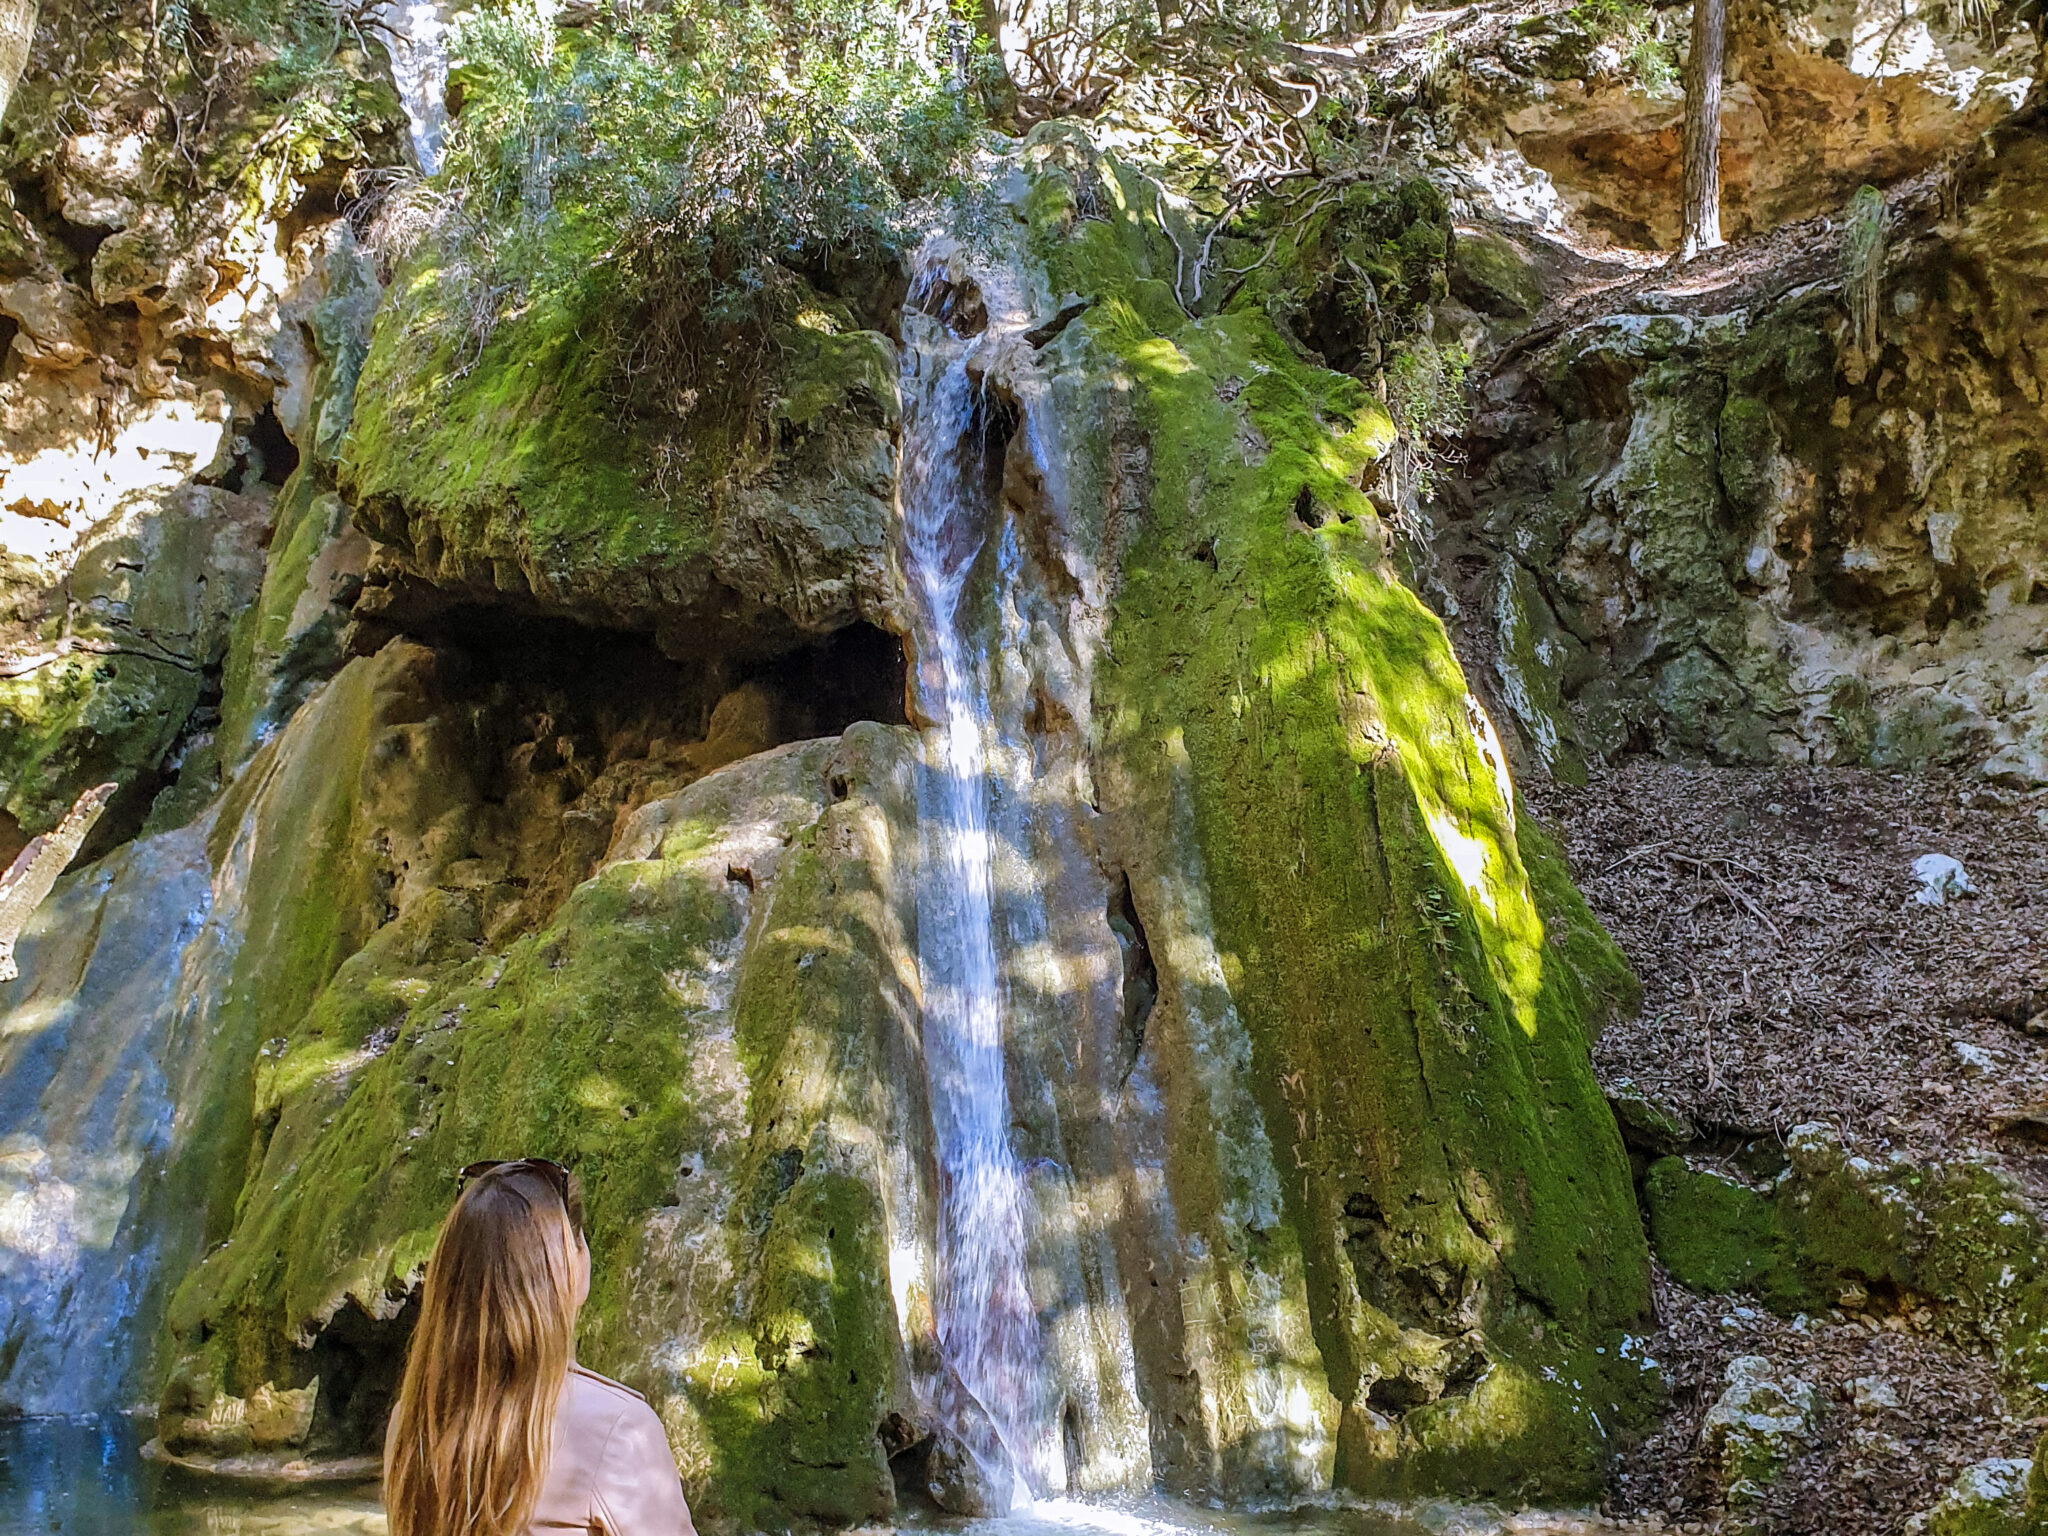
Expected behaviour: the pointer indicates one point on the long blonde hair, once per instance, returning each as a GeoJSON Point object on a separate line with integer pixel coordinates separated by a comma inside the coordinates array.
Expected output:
{"type": "Point", "coordinates": [473, 1427]}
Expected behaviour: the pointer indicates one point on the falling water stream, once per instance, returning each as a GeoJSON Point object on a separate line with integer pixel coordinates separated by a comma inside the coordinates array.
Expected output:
{"type": "Point", "coordinates": [988, 1330]}
{"type": "Point", "coordinates": [415, 34]}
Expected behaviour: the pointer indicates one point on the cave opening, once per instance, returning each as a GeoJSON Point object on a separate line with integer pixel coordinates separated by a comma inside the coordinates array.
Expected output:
{"type": "Point", "coordinates": [909, 1453]}
{"type": "Point", "coordinates": [264, 455]}
{"type": "Point", "coordinates": [358, 1359]}
{"type": "Point", "coordinates": [558, 731]}
{"type": "Point", "coordinates": [605, 681]}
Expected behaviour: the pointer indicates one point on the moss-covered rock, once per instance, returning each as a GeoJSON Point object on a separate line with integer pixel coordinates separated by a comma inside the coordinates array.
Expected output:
{"type": "Point", "coordinates": [1416, 1001]}
{"type": "Point", "coordinates": [509, 462]}
{"type": "Point", "coordinates": [1958, 1236]}
{"type": "Point", "coordinates": [1987, 1499]}
{"type": "Point", "coordinates": [501, 462]}
{"type": "Point", "coordinates": [1489, 274]}
{"type": "Point", "coordinates": [289, 640]}
{"type": "Point", "coordinates": [369, 1043]}
{"type": "Point", "coordinates": [1754, 1427]}
{"type": "Point", "coordinates": [151, 604]}
{"type": "Point", "coordinates": [1716, 1234]}
{"type": "Point", "coordinates": [1769, 544]}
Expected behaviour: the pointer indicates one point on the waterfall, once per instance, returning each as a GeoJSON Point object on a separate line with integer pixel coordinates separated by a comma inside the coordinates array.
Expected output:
{"type": "Point", "coordinates": [988, 1328]}
{"type": "Point", "coordinates": [416, 33]}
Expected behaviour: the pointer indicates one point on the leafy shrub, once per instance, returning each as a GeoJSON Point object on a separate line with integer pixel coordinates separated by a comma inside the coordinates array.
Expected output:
{"type": "Point", "coordinates": [1632, 30]}
{"type": "Point", "coordinates": [671, 169]}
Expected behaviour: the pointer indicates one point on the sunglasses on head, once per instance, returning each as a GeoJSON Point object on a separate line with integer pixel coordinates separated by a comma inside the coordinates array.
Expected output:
{"type": "Point", "coordinates": [564, 1183]}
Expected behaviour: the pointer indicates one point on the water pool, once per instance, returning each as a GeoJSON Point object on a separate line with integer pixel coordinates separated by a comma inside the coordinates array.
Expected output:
{"type": "Point", "coordinates": [88, 1478]}
{"type": "Point", "coordinates": [63, 1477]}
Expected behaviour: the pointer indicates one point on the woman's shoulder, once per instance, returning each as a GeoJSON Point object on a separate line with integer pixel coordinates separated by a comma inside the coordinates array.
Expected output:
{"type": "Point", "coordinates": [585, 1381]}
{"type": "Point", "coordinates": [588, 1395]}
{"type": "Point", "coordinates": [633, 1484]}
{"type": "Point", "coordinates": [602, 1429]}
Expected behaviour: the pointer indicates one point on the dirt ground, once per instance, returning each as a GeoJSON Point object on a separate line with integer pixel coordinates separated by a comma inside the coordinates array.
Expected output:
{"type": "Point", "coordinates": [1789, 975]}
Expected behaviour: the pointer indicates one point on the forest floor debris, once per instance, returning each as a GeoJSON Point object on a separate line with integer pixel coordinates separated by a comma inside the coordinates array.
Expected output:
{"type": "Point", "coordinates": [1901, 1414]}
{"type": "Point", "coordinates": [1790, 975]}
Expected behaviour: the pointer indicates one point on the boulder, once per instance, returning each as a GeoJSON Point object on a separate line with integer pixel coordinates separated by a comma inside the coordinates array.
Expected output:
{"type": "Point", "coordinates": [1987, 1499]}
{"type": "Point", "coordinates": [1759, 1422]}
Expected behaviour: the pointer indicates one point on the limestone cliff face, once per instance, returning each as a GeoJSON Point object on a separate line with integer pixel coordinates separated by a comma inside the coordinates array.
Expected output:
{"type": "Point", "coordinates": [1321, 1187]}
{"type": "Point", "coordinates": [1818, 99]}
{"type": "Point", "coordinates": [1721, 522]}
{"type": "Point", "coordinates": [1298, 1008]}
{"type": "Point", "coordinates": [170, 310]}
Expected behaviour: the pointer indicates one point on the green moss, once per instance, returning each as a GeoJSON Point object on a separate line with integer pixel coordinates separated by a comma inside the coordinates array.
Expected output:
{"type": "Point", "coordinates": [1749, 447]}
{"type": "Point", "coordinates": [312, 894]}
{"type": "Point", "coordinates": [254, 697]}
{"type": "Point", "coordinates": [82, 720]}
{"type": "Point", "coordinates": [1992, 1498]}
{"type": "Point", "coordinates": [1421, 1047]}
{"type": "Point", "coordinates": [823, 372]}
{"type": "Point", "coordinates": [825, 1328]}
{"type": "Point", "coordinates": [573, 1045]}
{"type": "Point", "coordinates": [516, 450]}
{"type": "Point", "coordinates": [1534, 659]}
{"type": "Point", "coordinates": [1594, 963]}
{"type": "Point", "coordinates": [1494, 278]}
{"type": "Point", "coordinates": [1956, 1236]}
{"type": "Point", "coordinates": [791, 1400]}
{"type": "Point", "coordinates": [394, 1049]}
{"type": "Point", "coordinates": [1717, 1235]}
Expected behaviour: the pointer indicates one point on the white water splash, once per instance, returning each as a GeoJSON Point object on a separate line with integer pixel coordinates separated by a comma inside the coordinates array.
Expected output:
{"type": "Point", "coordinates": [988, 1327]}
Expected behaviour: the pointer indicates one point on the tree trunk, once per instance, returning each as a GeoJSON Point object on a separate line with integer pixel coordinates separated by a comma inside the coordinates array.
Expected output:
{"type": "Point", "coordinates": [1701, 154]}
{"type": "Point", "coordinates": [17, 31]}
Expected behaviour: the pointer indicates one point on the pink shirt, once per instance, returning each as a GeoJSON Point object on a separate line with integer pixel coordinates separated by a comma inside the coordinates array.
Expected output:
{"type": "Point", "coordinates": [611, 1469]}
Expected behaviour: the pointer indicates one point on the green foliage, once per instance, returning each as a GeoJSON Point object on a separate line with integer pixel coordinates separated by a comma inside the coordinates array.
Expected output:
{"type": "Point", "coordinates": [1863, 253]}
{"type": "Point", "coordinates": [669, 170]}
{"type": "Point", "coordinates": [1383, 243]}
{"type": "Point", "coordinates": [293, 56]}
{"type": "Point", "coordinates": [1646, 58]}
{"type": "Point", "coordinates": [222, 90]}
{"type": "Point", "coordinates": [1426, 397]}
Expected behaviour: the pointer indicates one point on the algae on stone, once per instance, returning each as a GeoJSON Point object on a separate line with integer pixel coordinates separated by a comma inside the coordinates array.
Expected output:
{"type": "Point", "coordinates": [1957, 1236]}
{"type": "Point", "coordinates": [1989, 1498]}
{"type": "Point", "coordinates": [1754, 1427]}
{"type": "Point", "coordinates": [510, 464]}
{"type": "Point", "coordinates": [1418, 1051]}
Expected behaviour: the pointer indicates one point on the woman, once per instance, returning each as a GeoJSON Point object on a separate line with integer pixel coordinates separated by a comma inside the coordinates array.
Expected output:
{"type": "Point", "coordinates": [498, 1431]}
